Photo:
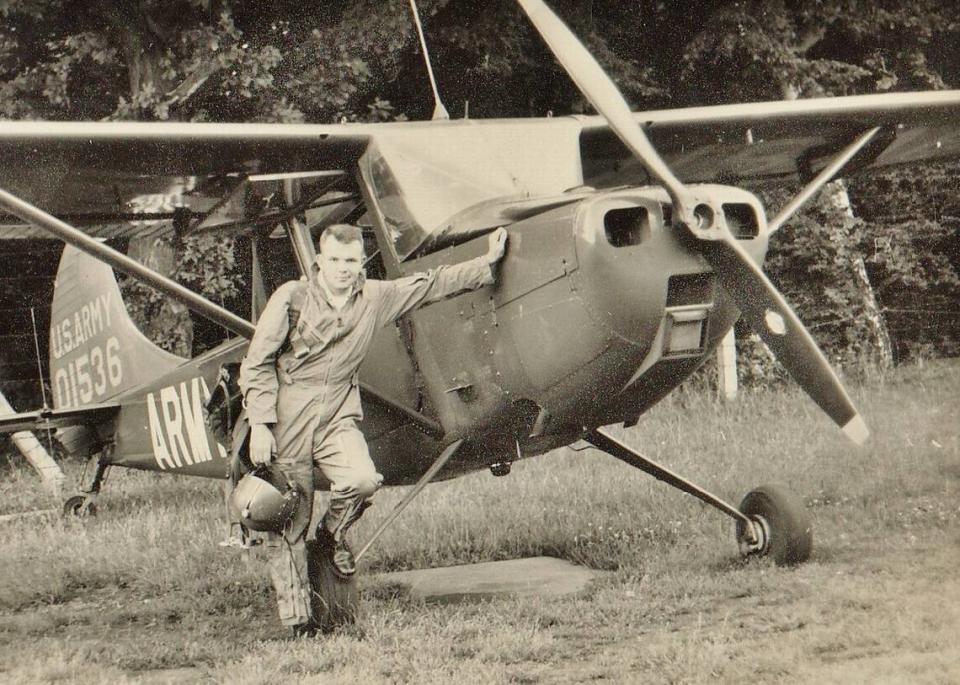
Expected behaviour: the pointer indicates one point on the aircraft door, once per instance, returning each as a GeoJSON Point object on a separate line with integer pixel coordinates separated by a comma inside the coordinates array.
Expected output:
{"type": "Point", "coordinates": [468, 363]}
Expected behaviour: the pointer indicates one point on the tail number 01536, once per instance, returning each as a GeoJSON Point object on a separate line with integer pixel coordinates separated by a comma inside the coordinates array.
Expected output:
{"type": "Point", "coordinates": [89, 376]}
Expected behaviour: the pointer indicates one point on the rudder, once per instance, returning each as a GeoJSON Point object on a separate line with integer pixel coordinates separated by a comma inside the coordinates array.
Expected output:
{"type": "Point", "coordinates": [96, 351]}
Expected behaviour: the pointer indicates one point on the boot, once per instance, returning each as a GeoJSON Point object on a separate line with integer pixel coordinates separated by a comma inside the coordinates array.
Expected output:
{"type": "Point", "coordinates": [341, 514]}
{"type": "Point", "coordinates": [338, 552]}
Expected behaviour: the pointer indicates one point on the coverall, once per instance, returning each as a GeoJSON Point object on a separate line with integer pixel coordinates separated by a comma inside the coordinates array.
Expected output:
{"type": "Point", "coordinates": [303, 383]}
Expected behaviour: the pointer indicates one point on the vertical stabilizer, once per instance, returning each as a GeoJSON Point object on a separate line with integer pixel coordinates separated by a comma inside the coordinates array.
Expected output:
{"type": "Point", "coordinates": [96, 351]}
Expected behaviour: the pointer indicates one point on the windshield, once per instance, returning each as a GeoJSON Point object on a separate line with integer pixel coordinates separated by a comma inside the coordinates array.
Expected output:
{"type": "Point", "coordinates": [401, 227]}
{"type": "Point", "coordinates": [422, 177]}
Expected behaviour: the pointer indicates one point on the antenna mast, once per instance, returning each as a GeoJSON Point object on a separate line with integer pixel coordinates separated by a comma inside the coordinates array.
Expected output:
{"type": "Point", "coordinates": [439, 111]}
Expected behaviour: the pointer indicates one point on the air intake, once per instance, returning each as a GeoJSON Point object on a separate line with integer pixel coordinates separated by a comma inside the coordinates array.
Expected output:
{"type": "Point", "coordinates": [627, 226]}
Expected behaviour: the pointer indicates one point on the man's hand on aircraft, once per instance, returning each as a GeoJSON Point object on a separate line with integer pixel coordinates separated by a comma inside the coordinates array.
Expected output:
{"type": "Point", "coordinates": [497, 246]}
{"type": "Point", "coordinates": [262, 444]}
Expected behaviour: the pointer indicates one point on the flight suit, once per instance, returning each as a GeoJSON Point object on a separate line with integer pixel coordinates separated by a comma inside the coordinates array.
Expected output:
{"type": "Point", "coordinates": [303, 382]}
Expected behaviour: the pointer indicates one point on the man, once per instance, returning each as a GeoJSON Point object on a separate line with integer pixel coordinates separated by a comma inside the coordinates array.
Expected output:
{"type": "Point", "coordinates": [299, 381]}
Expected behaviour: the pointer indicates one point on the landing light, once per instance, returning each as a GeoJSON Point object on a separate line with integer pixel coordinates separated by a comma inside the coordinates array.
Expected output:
{"type": "Point", "coordinates": [685, 331]}
{"type": "Point", "coordinates": [775, 322]}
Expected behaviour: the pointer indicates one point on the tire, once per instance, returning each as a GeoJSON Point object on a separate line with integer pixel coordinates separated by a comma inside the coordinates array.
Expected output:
{"type": "Point", "coordinates": [335, 601]}
{"type": "Point", "coordinates": [79, 506]}
{"type": "Point", "coordinates": [789, 527]}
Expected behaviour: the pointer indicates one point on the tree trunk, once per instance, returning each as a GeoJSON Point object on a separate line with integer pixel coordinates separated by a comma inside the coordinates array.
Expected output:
{"type": "Point", "coordinates": [874, 315]}
{"type": "Point", "coordinates": [841, 200]}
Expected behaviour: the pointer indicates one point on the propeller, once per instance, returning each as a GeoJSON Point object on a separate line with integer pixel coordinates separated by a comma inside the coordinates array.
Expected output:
{"type": "Point", "coordinates": [762, 305]}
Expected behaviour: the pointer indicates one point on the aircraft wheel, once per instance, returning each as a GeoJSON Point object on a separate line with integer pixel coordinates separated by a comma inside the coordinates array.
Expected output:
{"type": "Point", "coordinates": [80, 506]}
{"type": "Point", "coordinates": [335, 600]}
{"type": "Point", "coordinates": [781, 523]}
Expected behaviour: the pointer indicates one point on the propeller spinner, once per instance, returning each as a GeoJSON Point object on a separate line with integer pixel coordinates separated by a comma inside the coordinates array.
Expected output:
{"type": "Point", "coordinates": [761, 303]}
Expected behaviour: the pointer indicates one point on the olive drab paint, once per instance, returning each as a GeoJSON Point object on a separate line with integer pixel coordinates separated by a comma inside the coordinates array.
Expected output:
{"type": "Point", "coordinates": [95, 370]}
{"type": "Point", "coordinates": [178, 433]}
{"type": "Point", "coordinates": [601, 305]}
{"type": "Point", "coordinates": [96, 351]}
{"type": "Point", "coordinates": [499, 362]}
{"type": "Point", "coordinates": [98, 355]}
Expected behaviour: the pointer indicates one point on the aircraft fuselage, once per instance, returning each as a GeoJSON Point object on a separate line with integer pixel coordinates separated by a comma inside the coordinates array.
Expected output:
{"type": "Point", "coordinates": [600, 309]}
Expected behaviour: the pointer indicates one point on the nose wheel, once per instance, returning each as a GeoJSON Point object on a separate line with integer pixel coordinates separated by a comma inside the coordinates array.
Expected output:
{"type": "Point", "coordinates": [780, 527]}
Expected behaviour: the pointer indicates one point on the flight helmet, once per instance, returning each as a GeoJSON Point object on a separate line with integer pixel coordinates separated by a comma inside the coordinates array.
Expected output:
{"type": "Point", "coordinates": [265, 500]}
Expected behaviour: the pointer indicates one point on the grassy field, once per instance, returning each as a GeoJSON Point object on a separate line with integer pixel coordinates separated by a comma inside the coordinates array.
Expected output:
{"type": "Point", "coordinates": [143, 593]}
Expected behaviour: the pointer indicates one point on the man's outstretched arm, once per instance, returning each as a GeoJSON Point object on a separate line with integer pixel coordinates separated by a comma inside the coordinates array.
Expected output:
{"type": "Point", "coordinates": [404, 294]}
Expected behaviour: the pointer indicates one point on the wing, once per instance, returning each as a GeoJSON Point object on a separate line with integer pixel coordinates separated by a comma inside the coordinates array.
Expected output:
{"type": "Point", "coordinates": [129, 177]}
{"type": "Point", "coordinates": [124, 177]}
{"type": "Point", "coordinates": [777, 140]}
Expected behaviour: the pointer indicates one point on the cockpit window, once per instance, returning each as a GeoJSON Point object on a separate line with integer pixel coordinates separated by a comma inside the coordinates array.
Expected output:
{"type": "Point", "coordinates": [403, 229]}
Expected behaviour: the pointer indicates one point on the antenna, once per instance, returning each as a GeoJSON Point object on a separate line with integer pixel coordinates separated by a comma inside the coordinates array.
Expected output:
{"type": "Point", "coordinates": [36, 346]}
{"type": "Point", "coordinates": [43, 391]}
{"type": "Point", "coordinates": [439, 111]}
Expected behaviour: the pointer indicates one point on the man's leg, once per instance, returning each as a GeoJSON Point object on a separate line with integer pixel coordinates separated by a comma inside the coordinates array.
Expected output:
{"type": "Point", "coordinates": [343, 457]}
{"type": "Point", "coordinates": [296, 422]}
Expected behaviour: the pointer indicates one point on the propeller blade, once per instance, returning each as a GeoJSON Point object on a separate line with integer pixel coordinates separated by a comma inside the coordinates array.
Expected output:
{"type": "Point", "coordinates": [603, 94]}
{"type": "Point", "coordinates": [774, 321]}
{"type": "Point", "coordinates": [765, 308]}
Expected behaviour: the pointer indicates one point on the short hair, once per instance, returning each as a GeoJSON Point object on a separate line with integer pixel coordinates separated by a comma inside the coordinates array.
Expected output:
{"type": "Point", "coordinates": [344, 233]}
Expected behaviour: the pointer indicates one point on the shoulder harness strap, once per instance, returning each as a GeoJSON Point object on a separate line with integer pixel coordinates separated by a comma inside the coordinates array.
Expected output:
{"type": "Point", "coordinates": [295, 339]}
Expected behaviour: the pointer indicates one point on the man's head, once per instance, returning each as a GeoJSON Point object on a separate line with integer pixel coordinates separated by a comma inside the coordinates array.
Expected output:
{"type": "Point", "coordinates": [341, 257]}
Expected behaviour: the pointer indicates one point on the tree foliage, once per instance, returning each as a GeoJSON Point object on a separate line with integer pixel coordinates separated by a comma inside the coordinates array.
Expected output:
{"type": "Point", "coordinates": [204, 263]}
{"type": "Point", "coordinates": [781, 49]}
{"type": "Point", "coordinates": [247, 60]}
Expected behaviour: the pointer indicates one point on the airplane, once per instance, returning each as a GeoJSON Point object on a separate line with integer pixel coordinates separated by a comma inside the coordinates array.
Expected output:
{"type": "Point", "coordinates": [631, 253]}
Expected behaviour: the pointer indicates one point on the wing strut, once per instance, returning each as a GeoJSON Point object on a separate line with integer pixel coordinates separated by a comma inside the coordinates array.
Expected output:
{"type": "Point", "coordinates": [198, 303]}
{"type": "Point", "coordinates": [821, 179]}
{"type": "Point", "coordinates": [121, 262]}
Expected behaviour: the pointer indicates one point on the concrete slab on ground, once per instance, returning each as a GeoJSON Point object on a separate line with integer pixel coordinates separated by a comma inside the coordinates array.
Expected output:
{"type": "Point", "coordinates": [544, 576]}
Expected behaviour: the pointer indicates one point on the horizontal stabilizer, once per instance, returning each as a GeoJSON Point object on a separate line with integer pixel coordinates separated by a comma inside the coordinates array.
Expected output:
{"type": "Point", "coordinates": [90, 416]}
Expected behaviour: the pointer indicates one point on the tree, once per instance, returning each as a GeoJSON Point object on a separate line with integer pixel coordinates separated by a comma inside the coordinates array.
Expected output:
{"type": "Point", "coordinates": [787, 49]}
{"type": "Point", "coordinates": [215, 60]}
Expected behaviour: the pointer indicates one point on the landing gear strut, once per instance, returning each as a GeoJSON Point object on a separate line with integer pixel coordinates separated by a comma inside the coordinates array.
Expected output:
{"type": "Point", "coordinates": [84, 503]}
{"type": "Point", "coordinates": [771, 521]}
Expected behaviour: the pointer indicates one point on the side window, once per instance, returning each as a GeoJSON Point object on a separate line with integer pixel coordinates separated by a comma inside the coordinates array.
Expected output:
{"type": "Point", "coordinates": [374, 260]}
{"type": "Point", "coordinates": [277, 263]}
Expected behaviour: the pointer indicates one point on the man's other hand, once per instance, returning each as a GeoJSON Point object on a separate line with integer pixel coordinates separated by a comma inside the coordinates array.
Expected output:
{"type": "Point", "coordinates": [262, 444]}
{"type": "Point", "coordinates": [497, 246]}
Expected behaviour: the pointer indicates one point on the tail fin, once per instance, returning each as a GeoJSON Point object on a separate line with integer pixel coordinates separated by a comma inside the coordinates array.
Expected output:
{"type": "Point", "coordinates": [96, 351]}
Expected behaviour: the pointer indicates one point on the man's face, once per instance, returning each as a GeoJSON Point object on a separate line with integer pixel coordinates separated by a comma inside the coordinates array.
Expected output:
{"type": "Point", "coordinates": [340, 264]}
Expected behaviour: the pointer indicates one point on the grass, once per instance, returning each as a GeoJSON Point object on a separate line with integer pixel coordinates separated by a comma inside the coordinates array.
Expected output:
{"type": "Point", "coordinates": [143, 590]}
